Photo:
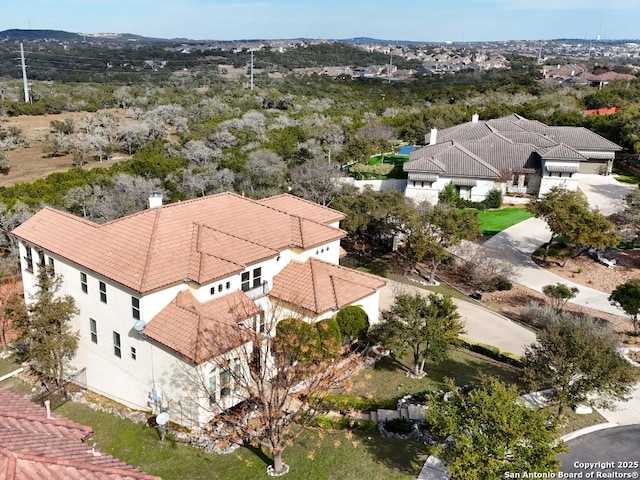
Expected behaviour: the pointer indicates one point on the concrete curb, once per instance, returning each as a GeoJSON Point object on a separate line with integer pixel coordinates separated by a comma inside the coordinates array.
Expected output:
{"type": "Point", "coordinates": [11, 374]}
{"type": "Point", "coordinates": [587, 430]}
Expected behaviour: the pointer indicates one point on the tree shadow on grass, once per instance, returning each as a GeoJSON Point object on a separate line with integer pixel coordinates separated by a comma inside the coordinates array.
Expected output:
{"type": "Point", "coordinates": [259, 453]}
{"type": "Point", "coordinates": [404, 456]}
{"type": "Point", "coordinates": [391, 363]}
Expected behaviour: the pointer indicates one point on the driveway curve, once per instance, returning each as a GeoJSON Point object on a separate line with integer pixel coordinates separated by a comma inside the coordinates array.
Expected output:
{"type": "Point", "coordinates": [481, 324]}
{"type": "Point", "coordinates": [517, 243]}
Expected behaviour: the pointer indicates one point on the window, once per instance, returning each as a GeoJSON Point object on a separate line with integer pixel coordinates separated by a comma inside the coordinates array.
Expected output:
{"type": "Point", "coordinates": [245, 281]}
{"type": "Point", "coordinates": [228, 285]}
{"type": "Point", "coordinates": [225, 383]}
{"type": "Point", "coordinates": [93, 328]}
{"type": "Point", "coordinates": [257, 274]}
{"type": "Point", "coordinates": [103, 292]}
{"type": "Point", "coordinates": [83, 282]}
{"type": "Point", "coordinates": [117, 347]}
{"type": "Point", "coordinates": [28, 257]}
{"type": "Point", "coordinates": [213, 386]}
{"type": "Point", "coordinates": [220, 288]}
{"type": "Point", "coordinates": [212, 290]}
{"type": "Point", "coordinates": [135, 308]}
{"type": "Point", "coordinates": [41, 259]}
{"type": "Point", "coordinates": [52, 266]}
{"type": "Point", "coordinates": [133, 353]}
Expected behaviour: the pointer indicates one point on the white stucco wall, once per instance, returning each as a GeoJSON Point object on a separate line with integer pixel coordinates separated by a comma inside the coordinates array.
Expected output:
{"type": "Point", "coordinates": [376, 185]}
{"type": "Point", "coordinates": [429, 192]}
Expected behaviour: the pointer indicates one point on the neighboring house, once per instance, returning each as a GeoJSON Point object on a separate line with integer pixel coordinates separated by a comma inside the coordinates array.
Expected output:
{"type": "Point", "coordinates": [162, 293]}
{"type": "Point", "coordinates": [512, 153]}
{"type": "Point", "coordinates": [37, 445]}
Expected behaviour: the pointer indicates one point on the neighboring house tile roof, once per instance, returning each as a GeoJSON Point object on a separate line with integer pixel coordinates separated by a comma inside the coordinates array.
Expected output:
{"type": "Point", "coordinates": [485, 149]}
{"type": "Point", "coordinates": [201, 331]}
{"type": "Point", "coordinates": [560, 152]}
{"type": "Point", "coordinates": [319, 287]}
{"type": "Point", "coordinates": [202, 239]}
{"type": "Point", "coordinates": [302, 208]}
{"type": "Point", "coordinates": [34, 447]}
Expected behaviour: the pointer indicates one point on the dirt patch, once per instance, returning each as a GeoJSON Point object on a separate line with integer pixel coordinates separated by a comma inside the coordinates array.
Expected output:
{"type": "Point", "coordinates": [29, 164]}
{"type": "Point", "coordinates": [586, 271]}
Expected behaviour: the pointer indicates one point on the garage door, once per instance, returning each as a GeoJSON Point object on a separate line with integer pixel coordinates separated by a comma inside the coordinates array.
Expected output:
{"type": "Point", "coordinates": [593, 166]}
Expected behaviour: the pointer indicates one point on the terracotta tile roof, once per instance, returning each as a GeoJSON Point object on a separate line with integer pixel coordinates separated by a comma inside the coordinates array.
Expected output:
{"type": "Point", "coordinates": [202, 239]}
{"type": "Point", "coordinates": [303, 208]}
{"type": "Point", "coordinates": [201, 331]}
{"type": "Point", "coordinates": [319, 287]}
{"type": "Point", "coordinates": [34, 447]}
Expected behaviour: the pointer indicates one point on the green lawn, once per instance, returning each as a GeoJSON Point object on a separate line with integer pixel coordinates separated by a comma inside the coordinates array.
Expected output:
{"type": "Point", "coordinates": [8, 365]}
{"type": "Point", "coordinates": [494, 221]}
{"type": "Point", "coordinates": [317, 454]}
{"type": "Point", "coordinates": [386, 380]}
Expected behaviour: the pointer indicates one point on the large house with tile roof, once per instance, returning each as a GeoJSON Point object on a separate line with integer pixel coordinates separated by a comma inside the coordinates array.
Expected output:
{"type": "Point", "coordinates": [512, 153]}
{"type": "Point", "coordinates": [35, 445]}
{"type": "Point", "coordinates": [171, 289]}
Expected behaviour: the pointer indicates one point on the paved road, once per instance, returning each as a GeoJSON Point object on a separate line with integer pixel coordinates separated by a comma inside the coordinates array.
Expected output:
{"type": "Point", "coordinates": [481, 324]}
{"type": "Point", "coordinates": [617, 450]}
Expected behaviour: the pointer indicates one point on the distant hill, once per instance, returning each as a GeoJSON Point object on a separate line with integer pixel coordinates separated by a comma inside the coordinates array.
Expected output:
{"type": "Point", "coordinates": [17, 35]}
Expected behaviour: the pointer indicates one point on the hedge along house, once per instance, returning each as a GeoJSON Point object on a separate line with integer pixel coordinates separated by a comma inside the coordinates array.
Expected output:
{"type": "Point", "coordinates": [172, 290]}
{"type": "Point", "coordinates": [513, 154]}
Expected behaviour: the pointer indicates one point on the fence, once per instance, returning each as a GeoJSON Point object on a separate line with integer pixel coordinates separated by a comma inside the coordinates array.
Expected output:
{"type": "Point", "coordinates": [61, 394]}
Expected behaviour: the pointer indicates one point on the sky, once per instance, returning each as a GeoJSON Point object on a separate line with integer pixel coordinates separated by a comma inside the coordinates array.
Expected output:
{"type": "Point", "coordinates": [415, 20]}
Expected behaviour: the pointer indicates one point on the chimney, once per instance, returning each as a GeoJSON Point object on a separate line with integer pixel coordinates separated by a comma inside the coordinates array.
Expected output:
{"type": "Point", "coordinates": [47, 405]}
{"type": "Point", "coordinates": [155, 200]}
{"type": "Point", "coordinates": [474, 118]}
{"type": "Point", "coordinates": [434, 136]}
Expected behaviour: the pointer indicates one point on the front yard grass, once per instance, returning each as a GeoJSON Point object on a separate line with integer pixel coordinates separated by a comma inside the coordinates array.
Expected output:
{"type": "Point", "coordinates": [8, 365]}
{"type": "Point", "coordinates": [386, 381]}
{"type": "Point", "coordinates": [495, 221]}
{"type": "Point", "coordinates": [318, 454]}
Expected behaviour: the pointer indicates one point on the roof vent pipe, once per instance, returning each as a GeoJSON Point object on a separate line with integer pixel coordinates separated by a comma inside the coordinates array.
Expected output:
{"type": "Point", "coordinates": [434, 136]}
{"type": "Point", "coordinates": [474, 118]}
{"type": "Point", "coordinates": [47, 405]}
{"type": "Point", "coordinates": [155, 200]}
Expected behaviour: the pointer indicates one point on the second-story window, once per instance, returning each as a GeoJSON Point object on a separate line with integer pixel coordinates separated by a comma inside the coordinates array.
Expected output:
{"type": "Point", "coordinates": [83, 282]}
{"type": "Point", "coordinates": [135, 308]}
{"type": "Point", "coordinates": [28, 258]}
{"type": "Point", "coordinates": [245, 282]}
{"type": "Point", "coordinates": [52, 266]}
{"type": "Point", "coordinates": [103, 292]}
{"type": "Point", "coordinates": [257, 277]}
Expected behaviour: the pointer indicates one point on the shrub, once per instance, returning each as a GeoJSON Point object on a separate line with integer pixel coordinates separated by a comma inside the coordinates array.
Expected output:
{"type": "Point", "coordinates": [401, 426]}
{"type": "Point", "coordinates": [500, 283]}
{"type": "Point", "coordinates": [328, 337]}
{"type": "Point", "coordinates": [4, 163]}
{"type": "Point", "coordinates": [493, 198]}
{"type": "Point", "coordinates": [353, 322]}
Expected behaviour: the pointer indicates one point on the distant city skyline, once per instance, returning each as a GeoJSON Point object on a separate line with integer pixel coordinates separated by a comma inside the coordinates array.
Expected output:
{"type": "Point", "coordinates": [413, 20]}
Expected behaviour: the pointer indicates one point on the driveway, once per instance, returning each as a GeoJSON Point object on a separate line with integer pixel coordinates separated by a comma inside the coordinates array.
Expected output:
{"type": "Point", "coordinates": [517, 243]}
{"type": "Point", "coordinates": [481, 324]}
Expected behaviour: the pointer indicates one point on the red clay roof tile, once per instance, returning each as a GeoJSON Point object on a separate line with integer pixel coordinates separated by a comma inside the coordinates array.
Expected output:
{"type": "Point", "coordinates": [202, 239]}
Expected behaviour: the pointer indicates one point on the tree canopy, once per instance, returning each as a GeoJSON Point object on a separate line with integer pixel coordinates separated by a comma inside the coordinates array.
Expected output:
{"type": "Point", "coordinates": [580, 362]}
{"type": "Point", "coordinates": [627, 295]}
{"type": "Point", "coordinates": [425, 326]}
{"type": "Point", "coordinates": [486, 433]}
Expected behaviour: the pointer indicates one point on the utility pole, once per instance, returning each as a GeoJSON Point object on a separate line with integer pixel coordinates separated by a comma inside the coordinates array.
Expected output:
{"type": "Point", "coordinates": [251, 70]}
{"type": "Point", "coordinates": [24, 75]}
{"type": "Point", "coordinates": [390, 65]}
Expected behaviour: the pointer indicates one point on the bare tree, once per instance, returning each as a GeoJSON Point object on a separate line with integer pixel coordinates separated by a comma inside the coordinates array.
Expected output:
{"type": "Point", "coordinates": [10, 219]}
{"type": "Point", "coordinates": [278, 380]}
{"type": "Point", "coordinates": [316, 181]}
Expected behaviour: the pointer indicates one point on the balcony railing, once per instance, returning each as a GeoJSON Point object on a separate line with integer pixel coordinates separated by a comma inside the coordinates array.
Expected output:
{"type": "Point", "coordinates": [259, 291]}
